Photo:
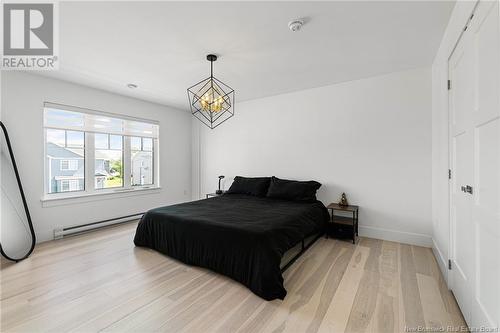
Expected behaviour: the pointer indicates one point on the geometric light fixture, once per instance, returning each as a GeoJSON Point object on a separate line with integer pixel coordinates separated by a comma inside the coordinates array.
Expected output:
{"type": "Point", "coordinates": [211, 100]}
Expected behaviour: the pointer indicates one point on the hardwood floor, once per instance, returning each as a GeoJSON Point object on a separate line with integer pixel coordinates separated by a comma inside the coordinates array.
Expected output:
{"type": "Point", "coordinates": [100, 282]}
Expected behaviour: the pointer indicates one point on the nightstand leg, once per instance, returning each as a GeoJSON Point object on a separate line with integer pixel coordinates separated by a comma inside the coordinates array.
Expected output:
{"type": "Point", "coordinates": [330, 220]}
{"type": "Point", "coordinates": [354, 227]}
{"type": "Point", "coordinates": [357, 220]}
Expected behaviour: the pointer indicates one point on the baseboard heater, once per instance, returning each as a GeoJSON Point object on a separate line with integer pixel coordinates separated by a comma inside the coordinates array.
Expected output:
{"type": "Point", "coordinates": [76, 229]}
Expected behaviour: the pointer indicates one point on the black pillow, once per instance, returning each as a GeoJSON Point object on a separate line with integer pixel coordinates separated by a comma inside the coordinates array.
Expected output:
{"type": "Point", "coordinates": [253, 186]}
{"type": "Point", "coordinates": [293, 189]}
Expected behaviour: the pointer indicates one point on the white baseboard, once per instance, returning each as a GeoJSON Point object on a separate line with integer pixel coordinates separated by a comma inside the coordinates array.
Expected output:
{"type": "Point", "coordinates": [441, 260]}
{"type": "Point", "coordinates": [396, 236]}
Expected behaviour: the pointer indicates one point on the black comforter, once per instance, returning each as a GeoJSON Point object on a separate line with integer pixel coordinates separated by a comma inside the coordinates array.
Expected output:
{"type": "Point", "coordinates": [240, 236]}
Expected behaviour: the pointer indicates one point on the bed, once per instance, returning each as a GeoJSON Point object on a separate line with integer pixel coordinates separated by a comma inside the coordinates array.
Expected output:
{"type": "Point", "coordinates": [241, 236]}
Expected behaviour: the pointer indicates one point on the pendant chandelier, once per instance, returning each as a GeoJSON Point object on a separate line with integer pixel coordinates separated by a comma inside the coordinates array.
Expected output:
{"type": "Point", "coordinates": [211, 100]}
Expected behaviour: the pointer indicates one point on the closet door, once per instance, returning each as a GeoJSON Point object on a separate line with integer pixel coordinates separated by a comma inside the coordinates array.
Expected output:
{"type": "Point", "coordinates": [485, 29]}
{"type": "Point", "coordinates": [474, 70]}
{"type": "Point", "coordinates": [462, 100]}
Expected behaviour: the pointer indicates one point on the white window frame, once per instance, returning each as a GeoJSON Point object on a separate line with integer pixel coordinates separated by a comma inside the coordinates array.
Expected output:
{"type": "Point", "coordinates": [89, 162]}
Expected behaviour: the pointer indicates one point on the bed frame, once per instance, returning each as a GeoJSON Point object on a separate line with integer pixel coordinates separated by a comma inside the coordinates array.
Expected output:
{"type": "Point", "coordinates": [302, 246]}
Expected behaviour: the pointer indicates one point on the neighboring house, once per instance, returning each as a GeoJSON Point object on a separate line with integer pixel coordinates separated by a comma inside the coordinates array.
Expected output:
{"type": "Point", "coordinates": [102, 170]}
{"type": "Point", "coordinates": [142, 168]}
{"type": "Point", "coordinates": [66, 169]}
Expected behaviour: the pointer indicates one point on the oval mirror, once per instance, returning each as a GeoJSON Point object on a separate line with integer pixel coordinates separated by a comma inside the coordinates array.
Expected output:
{"type": "Point", "coordinates": [17, 237]}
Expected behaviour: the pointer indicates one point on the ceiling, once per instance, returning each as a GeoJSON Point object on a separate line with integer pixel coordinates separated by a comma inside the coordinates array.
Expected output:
{"type": "Point", "coordinates": [161, 46]}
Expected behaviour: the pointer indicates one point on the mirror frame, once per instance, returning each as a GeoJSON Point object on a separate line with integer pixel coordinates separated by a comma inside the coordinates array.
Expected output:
{"type": "Point", "coordinates": [32, 231]}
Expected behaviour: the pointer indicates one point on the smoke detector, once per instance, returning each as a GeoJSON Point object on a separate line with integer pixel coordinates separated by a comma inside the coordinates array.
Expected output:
{"type": "Point", "coordinates": [295, 25]}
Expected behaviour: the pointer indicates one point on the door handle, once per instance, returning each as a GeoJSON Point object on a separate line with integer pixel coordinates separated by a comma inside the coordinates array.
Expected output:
{"type": "Point", "coordinates": [468, 189]}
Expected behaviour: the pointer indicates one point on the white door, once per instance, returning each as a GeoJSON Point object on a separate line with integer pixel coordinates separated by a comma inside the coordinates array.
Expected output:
{"type": "Point", "coordinates": [461, 101]}
{"type": "Point", "coordinates": [474, 70]}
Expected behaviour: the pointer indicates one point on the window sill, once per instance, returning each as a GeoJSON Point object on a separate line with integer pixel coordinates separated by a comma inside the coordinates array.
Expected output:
{"type": "Point", "coordinates": [51, 201]}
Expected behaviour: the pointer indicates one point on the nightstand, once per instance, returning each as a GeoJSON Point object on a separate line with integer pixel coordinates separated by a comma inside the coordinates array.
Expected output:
{"type": "Point", "coordinates": [209, 195]}
{"type": "Point", "coordinates": [343, 226]}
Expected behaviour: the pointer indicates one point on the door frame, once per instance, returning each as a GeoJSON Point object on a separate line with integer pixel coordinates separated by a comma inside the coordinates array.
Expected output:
{"type": "Point", "coordinates": [451, 238]}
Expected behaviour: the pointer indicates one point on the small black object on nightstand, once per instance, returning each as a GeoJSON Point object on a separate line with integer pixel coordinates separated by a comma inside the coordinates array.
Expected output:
{"type": "Point", "coordinates": [343, 226]}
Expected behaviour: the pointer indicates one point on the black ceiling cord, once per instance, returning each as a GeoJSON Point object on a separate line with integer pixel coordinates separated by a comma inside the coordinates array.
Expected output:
{"type": "Point", "coordinates": [14, 165]}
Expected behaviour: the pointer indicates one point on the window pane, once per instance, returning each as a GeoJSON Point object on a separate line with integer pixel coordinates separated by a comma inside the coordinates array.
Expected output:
{"type": "Point", "coordinates": [65, 166]}
{"type": "Point", "coordinates": [135, 143]}
{"type": "Point", "coordinates": [142, 168]}
{"type": "Point", "coordinates": [116, 142]}
{"type": "Point", "coordinates": [109, 166]}
{"type": "Point", "coordinates": [115, 125]}
{"type": "Point", "coordinates": [55, 117]}
{"type": "Point", "coordinates": [147, 144]}
{"type": "Point", "coordinates": [101, 141]}
{"type": "Point", "coordinates": [140, 128]}
{"type": "Point", "coordinates": [74, 139]}
{"type": "Point", "coordinates": [66, 119]}
{"type": "Point", "coordinates": [56, 137]}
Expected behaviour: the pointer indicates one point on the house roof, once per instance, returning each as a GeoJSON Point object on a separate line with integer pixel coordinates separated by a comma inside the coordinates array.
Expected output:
{"type": "Point", "coordinates": [56, 151]}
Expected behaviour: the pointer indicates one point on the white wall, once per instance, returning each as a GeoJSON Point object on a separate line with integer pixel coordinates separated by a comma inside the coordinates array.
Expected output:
{"type": "Point", "coordinates": [370, 138]}
{"type": "Point", "coordinates": [440, 145]}
{"type": "Point", "coordinates": [22, 112]}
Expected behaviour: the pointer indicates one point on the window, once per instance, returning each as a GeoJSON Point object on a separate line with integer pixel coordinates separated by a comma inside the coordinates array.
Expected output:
{"type": "Point", "coordinates": [108, 160]}
{"type": "Point", "coordinates": [64, 185]}
{"type": "Point", "coordinates": [93, 152]}
{"type": "Point", "coordinates": [141, 161]}
{"type": "Point", "coordinates": [69, 185]}
{"type": "Point", "coordinates": [65, 156]}
{"type": "Point", "coordinates": [69, 165]}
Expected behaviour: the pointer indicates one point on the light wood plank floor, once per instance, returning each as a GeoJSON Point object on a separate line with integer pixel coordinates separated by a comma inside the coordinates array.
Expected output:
{"type": "Point", "coordinates": [100, 281]}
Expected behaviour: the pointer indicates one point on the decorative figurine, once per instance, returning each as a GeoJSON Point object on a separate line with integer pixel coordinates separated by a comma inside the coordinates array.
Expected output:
{"type": "Point", "coordinates": [219, 191]}
{"type": "Point", "coordinates": [343, 200]}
